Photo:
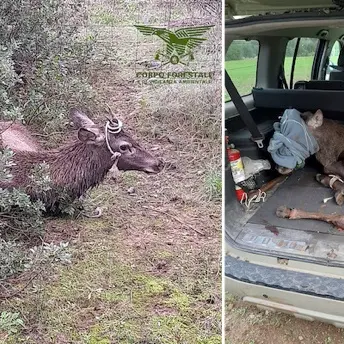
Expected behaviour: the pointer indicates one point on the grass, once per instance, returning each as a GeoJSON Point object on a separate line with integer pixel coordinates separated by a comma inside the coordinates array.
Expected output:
{"type": "Point", "coordinates": [213, 185]}
{"type": "Point", "coordinates": [99, 294]}
{"type": "Point", "coordinates": [243, 72]}
{"type": "Point", "coordinates": [125, 288]}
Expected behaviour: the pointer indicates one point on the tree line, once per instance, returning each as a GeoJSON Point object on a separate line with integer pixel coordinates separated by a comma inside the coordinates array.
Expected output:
{"type": "Point", "coordinates": [240, 49]}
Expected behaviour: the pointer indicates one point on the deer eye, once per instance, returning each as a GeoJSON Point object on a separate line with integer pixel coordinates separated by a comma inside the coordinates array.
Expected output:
{"type": "Point", "coordinates": [124, 148]}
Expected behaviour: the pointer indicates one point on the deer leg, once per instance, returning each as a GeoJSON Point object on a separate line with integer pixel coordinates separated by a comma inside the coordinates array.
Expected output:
{"type": "Point", "coordinates": [114, 171]}
{"type": "Point", "coordinates": [339, 197]}
{"type": "Point", "coordinates": [97, 213]}
{"type": "Point", "coordinates": [336, 168]}
{"type": "Point", "coordinates": [295, 214]}
{"type": "Point", "coordinates": [336, 185]}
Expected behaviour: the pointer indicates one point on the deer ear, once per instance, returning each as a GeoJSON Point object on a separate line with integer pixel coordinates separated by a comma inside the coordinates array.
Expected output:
{"type": "Point", "coordinates": [89, 135]}
{"type": "Point", "coordinates": [317, 119]}
{"type": "Point", "coordinates": [79, 119]}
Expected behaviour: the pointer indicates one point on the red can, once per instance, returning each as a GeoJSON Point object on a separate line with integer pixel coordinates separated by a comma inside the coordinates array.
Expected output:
{"type": "Point", "coordinates": [233, 154]}
{"type": "Point", "coordinates": [237, 166]}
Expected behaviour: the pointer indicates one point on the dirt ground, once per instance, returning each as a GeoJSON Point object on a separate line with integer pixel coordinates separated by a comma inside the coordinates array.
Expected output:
{"type": "Point", "coordinates": [246, 324]}
{"type": "Point", "coordinates": [149, 270]}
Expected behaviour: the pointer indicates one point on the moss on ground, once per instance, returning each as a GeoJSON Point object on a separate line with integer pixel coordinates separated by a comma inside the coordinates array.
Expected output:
{"type": "Point", "coordinates": [99, 300]}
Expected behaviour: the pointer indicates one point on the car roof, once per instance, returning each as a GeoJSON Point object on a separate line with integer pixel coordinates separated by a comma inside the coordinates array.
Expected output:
{"type": "Point", "coordinates": [255, 7]}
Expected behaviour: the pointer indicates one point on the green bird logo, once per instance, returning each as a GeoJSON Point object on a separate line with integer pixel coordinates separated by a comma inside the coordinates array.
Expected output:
{"type": "Point", "coordinates": [179, 44]}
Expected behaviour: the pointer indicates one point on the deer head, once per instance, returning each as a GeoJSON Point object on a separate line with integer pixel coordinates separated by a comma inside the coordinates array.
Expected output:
{"type": "Point", "coordinates": [112, 136]}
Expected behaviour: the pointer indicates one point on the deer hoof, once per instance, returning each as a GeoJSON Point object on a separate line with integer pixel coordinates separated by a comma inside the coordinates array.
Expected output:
{"type": "Point", "coordinates": [97, 213]}
{"type": "Point", "coordinates": [283, 212]}
{"type": "Point", "coordinates": [339, 197]}
{"type": "Point", "coordinates": [318, 177]}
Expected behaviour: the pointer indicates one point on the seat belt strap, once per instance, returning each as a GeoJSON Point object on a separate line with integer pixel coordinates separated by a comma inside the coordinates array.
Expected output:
{"type": "Point", "coordinates": [282, 77]}
{"type": "Point", "coordinates": [243, 111]}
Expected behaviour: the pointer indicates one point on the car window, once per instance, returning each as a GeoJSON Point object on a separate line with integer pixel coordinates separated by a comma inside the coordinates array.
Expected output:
{"type": "Point", "coordinates": [241, 64]}
{"type": "Point", "coordinates": [304, 59]}
{"type": "Point", "coordinates": [333, 58]}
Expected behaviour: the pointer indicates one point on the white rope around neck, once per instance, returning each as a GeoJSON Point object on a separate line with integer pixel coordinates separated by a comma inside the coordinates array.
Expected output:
{"type": "Point", "coordinates": [113, 129]}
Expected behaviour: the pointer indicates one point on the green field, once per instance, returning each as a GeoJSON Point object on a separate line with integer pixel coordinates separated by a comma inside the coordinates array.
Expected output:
{"type": "Point", "coordinates": [243, 72]}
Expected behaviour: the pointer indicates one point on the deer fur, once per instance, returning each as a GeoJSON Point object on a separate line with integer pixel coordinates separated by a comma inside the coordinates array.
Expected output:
{"type": "Point", "coordinates": [330, 137]}
{"type": "Point", "coordinates": [17, 136]}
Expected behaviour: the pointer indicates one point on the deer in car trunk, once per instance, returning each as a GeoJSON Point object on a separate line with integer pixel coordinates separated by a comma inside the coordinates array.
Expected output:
{"type": "Point", "coordinates": [77, 166]}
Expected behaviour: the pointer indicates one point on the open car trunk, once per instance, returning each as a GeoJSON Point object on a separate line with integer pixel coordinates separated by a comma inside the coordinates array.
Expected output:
{"type": "Point", "coordinates": [258, 229]}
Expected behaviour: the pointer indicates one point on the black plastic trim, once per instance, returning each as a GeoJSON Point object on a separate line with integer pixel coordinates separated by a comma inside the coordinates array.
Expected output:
{"type": "Point", "coordinates": [285, 17]}
{"type": "Point", "coordinates": [293, 281]}
{"type": "Point", "coordinates": [327, 100]}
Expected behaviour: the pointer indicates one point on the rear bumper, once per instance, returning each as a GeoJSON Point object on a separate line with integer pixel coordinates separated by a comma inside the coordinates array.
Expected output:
{"type": "Point", "coordinates": [303, 295]}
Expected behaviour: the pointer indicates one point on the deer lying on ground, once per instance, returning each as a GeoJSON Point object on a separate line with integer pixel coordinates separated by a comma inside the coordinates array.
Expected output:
{"type": "Point", "coordinates": [77, 166]}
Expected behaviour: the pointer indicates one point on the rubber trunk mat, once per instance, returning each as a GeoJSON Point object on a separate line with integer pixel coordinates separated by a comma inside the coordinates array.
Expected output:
{"type": "Point", "coordinates": [300, 190]}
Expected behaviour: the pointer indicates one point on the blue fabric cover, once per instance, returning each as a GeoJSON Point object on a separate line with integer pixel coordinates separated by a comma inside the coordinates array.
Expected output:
{"type": "Point", "coordinates": [292, 143]}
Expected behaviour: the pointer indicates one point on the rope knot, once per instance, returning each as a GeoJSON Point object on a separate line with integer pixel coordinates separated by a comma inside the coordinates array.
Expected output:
{"type": "Point", "coordinates": [334, 179]}
{"type": "Point", "coordinates": [256, 198]}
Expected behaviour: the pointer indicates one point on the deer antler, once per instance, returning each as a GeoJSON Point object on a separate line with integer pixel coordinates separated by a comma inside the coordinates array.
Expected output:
{"type": "Point", "coordinates": [110, 110]}
{"type": "Point", "coordinates": [115, 125]}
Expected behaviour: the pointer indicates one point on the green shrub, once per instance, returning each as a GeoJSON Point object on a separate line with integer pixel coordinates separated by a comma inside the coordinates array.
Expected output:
{"type": "Point", "coordinates": [10, 322]}
{"type": "Point", "coordinates": [43, 58]}
{"type": "Point", "coordinates": [12, 259]}
{"type": "Point", "coordinates": [44, 52]}
{"type": "Point", "coordinates": [18, 214]}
